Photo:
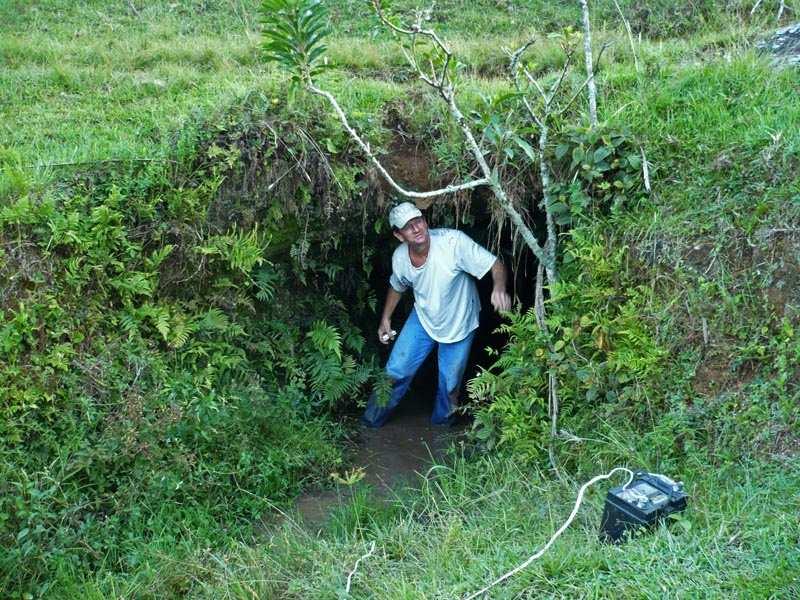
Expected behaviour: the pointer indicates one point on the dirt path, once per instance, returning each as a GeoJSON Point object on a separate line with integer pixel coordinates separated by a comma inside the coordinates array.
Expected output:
{"type": "Point", "coordinates": [390, 456]}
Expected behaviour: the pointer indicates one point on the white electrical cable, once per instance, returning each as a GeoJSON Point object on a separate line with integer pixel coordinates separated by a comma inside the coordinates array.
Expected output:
{"type": "Point", "coordinates": [561, 529]}
{"type": "Point", "coordinates": [353, 572]}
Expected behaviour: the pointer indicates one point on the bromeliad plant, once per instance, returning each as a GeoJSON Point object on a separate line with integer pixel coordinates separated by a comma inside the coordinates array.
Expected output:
{"type": "Point", "coordinates": [294, 34]}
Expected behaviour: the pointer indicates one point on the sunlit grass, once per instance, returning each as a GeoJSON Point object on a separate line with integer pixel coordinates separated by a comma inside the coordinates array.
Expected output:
{"type": "Point", "coordinates": [466, 525]}
{"type": "Point", "coordinates": [92, 81]}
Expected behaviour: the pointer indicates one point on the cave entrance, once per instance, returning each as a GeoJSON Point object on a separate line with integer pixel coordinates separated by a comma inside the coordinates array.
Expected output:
{"type": "Point", "coordinates": [475, 219]}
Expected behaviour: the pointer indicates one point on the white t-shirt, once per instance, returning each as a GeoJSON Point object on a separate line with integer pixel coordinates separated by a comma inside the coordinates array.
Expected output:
{"type": "Point", "coordinates": [445, 296]}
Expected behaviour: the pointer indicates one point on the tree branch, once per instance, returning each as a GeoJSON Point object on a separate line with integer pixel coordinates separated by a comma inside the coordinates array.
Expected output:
{"type": "Point", "coordinates": [544, 174]}
{"type": "Point", "coordinates": [366, 149]}
{"type": "Point", "coordinates": [438, 82]}
{"type": "Point", "coordinates": [587, 51]}
{"type": "Point", "coordinates": [494, 184]}
{"type": "Point", "coordinates": [557, 85]}
{"type": "Point", "coordinates": [447, 92]}
{"type": "Point", "coordinates": [586, 82]}
{"type": "Point", "coordinates": [781, 9]}
{"type": "Point", "coordinates": [517, 55]}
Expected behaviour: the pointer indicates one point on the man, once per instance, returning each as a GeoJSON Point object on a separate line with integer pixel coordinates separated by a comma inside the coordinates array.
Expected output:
{"type": "Point", "coordinates": [440, 266]}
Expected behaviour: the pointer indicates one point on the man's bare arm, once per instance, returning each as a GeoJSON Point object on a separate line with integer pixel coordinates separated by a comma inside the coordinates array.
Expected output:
{"type": "Point", "coordinates": [500, 298]}
{"type": "Point", "coordinates": [385, 327]}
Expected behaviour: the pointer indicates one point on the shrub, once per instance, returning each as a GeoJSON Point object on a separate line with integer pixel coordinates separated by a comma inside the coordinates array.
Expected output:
{"type": "Point", "coordinates": [160, 373]}
{"type": "Point", "coordinates": [598, 341]}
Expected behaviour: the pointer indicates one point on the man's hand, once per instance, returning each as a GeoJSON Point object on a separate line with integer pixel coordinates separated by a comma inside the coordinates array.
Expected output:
{"type": "Point", "coordinates": [501, 300]}
{"type": "Point", "coordinates": [385, 332]}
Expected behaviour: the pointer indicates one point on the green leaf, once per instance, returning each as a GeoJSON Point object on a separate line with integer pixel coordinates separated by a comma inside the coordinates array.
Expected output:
{"type": "Point", "coordinates": [601, 153]}
{"type": "Point", "coordinates": [326, 338]}
{"type": "Point", "coordinates": [526, 147]}
{"type": "Point", "coordinates": [578, 155]}
{"type": "Point", "coordinates": [330, 146]}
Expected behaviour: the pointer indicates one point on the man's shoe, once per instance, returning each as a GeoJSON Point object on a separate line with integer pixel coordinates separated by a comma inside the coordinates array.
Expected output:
{"type": "Point", "coordinates": [369, 424]}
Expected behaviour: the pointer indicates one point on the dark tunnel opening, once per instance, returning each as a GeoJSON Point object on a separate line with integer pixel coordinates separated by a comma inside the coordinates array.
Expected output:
{"type": "Point", "coordinates": [475, 221]}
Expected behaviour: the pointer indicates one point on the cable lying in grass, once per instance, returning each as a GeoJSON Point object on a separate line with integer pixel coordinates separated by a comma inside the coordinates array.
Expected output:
{"type": "Point", "coordinates": [561, 529]}
{"type": "Point", "coordinates": [355, 567]}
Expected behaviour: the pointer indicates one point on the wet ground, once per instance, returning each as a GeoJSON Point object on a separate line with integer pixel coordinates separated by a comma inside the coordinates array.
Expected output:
{"type": "Point", "coordinates": [390, 457]}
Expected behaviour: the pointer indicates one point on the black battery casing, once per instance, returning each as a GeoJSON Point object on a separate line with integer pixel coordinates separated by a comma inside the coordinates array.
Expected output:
{"type": "Point", "coordinates": [646, 500]}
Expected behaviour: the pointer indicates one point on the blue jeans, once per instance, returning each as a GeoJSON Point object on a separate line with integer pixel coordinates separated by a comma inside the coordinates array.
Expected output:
{"type": "Point", "coordinates": [412, 347]}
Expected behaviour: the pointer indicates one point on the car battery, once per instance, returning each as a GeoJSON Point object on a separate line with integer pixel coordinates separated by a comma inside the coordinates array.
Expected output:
{"type": "Point", "coordinates": [646, 500]}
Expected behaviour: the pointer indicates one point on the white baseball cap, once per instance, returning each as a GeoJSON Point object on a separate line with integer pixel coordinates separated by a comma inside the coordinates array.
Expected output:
{"type": "Point", "coordinates": [402, 214]}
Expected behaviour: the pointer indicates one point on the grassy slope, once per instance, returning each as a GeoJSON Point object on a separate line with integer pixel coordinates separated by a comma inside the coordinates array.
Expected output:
{"type": "Point", "coordinates": [470, 525]}
{"type": "Point", "coordinates": [85, 81]}
{"type": "Point", "coordinates": [97, 81]}
{"type": "Point", "coordinates": [92, 80]}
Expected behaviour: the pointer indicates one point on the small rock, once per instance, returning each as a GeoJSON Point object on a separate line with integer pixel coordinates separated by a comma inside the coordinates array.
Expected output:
{"type": "Point", "coordinates": [150, 81]}
{"type": "Point", "coordinates": [722, 162]}
{"type": "Point", "coordinates": [784, 45]}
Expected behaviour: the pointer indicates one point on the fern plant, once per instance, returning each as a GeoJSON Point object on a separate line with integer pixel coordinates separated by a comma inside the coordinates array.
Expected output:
{"type": "Point", "coordinates": [332, 374]}
{"type": "Point", "coordinates": [242, 251]}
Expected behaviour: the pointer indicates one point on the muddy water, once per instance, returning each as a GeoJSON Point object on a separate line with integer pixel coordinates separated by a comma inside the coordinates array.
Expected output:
{"type": "Point", "coordinates": [390, 457]}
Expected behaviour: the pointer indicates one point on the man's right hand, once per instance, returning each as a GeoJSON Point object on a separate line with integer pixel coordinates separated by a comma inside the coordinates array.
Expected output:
{"type": "Point", "coordinates": [385, 332]}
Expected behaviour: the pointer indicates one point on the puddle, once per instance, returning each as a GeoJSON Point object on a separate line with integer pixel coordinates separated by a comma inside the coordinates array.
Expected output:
{"type": "Point", "coordinates": [390, 456]}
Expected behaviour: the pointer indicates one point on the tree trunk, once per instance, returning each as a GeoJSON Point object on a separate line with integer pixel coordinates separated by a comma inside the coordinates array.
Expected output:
{"type": "Point", "coordinates": [587, 51]}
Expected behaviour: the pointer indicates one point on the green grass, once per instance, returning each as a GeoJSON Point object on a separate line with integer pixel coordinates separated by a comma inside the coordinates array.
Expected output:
{"type": "Point", "coordinates": [722, 137]}
{"type": "Point", "coordinates": [91, 81]}
{"type": "Point", "coordinates": [466, 525]}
